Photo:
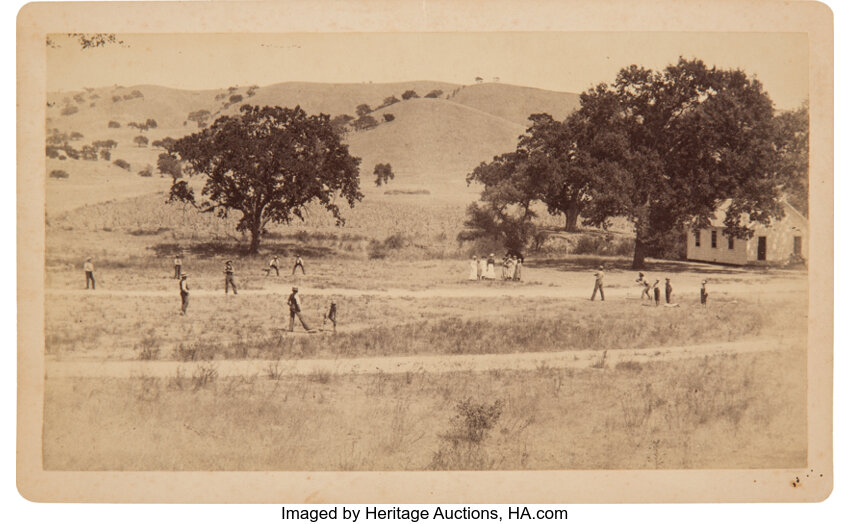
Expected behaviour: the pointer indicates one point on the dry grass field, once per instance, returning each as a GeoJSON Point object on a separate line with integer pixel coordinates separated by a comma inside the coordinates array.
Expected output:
{"type": "Point", "coordinates": [650, 388]}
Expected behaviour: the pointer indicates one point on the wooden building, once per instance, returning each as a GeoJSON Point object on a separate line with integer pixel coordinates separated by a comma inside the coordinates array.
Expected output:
{"type": "Point", "coordinates": [771, 244]}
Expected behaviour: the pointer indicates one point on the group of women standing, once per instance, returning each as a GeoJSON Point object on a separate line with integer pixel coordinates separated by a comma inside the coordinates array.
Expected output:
{"type": "Point", "coordinates": [485, 269]}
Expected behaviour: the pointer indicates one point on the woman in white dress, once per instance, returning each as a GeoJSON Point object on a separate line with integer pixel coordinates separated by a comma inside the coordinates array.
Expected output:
{"type": "Point", "coordinates": [481, 268]}
{"type": "Point", "coordinates": [473, 269]}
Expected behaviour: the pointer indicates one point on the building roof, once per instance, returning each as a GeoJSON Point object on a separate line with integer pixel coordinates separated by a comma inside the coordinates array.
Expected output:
{"type": "Point", "coordinates": [720, 214]}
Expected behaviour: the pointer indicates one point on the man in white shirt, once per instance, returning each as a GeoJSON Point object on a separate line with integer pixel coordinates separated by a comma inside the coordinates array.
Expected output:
{"type": "Point", "coordinates": [88, 267]}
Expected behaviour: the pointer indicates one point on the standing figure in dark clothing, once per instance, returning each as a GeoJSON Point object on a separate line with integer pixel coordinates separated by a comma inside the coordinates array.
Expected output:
{"type": "Point", "coordinates": [228, 277]}
{"type": "Point", "coordinates": [600, 274]}
{"type": "Point", "coordinates": [703, 295]}
{"type": "Point", "coordinates": [298, 263]}
{"type": "Point", "coordinates": [668, 290]}
{"type": "Point", "coordinates": [331, 315]}
{"type": "Point", "coordinates": [656, 292]}
{"type": "Point", "coordinates": [184, 293]}
{"type": "Point", "coordinates": [294, 302]}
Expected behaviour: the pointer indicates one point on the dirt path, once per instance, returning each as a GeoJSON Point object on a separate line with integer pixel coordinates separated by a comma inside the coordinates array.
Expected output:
{"type": "Point", "coordinates": [458, 291]}
{"type": "Point", "coordinates": [575, 359]}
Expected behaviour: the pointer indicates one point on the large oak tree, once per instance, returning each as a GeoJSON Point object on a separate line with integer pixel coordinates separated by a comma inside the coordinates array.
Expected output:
{"type": "Point", "coordinates": [267, 164]}
{"type": "Point", "coordinates": [665, 148]}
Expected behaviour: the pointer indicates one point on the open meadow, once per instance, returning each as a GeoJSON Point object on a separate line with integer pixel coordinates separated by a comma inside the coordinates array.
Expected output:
{"type": "Point", "coordinates": [576, 385]}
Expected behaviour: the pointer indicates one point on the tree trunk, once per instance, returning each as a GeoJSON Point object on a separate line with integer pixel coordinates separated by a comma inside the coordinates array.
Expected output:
{"type": "Point", "coordinates": [255, 239]}
{"type": "Point", "coordinates": [640, 254]}
{"type": "Point", "coordinates": [571, 219]}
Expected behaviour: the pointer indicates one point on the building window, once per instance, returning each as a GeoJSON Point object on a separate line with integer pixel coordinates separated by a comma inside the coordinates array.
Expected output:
{"type": "Point", "coordinates": [798, 246]}
{"type": "Point", "coordinates": [714, 239]}
{"type": "Point", "coordinates": [731, 242]}
{"type": "Point", "coordinates": [696, 238]}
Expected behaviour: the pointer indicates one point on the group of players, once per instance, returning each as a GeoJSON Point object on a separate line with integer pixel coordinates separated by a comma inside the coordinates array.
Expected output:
{"type": "Point", "coordinates": [650, 292]}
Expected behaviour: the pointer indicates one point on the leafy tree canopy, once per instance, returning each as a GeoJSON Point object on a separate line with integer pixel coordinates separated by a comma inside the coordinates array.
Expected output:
{"type": "Point", "coordinates": [267, 163]}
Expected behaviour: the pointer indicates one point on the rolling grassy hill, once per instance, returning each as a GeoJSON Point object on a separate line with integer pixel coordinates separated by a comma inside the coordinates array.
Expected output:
{"type": "Point", "coordinates": [432, 143]}
{"type": "Point", "coordinates": [516, 103]}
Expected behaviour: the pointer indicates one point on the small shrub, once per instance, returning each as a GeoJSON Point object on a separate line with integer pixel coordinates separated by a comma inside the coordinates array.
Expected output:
{"type": "Point", "coordinates": [322, 376]}
{"type": "Point", "coordinates": [58, 173]}
{"type": "Point", "coordinates": [462, 446]}
{"type": "Point", "coordinates": [204, 375]}
{"type": "Point", "coordinates": [389, 117]}
{"type": "Point", "coordinates": [434, 93]}
{"type": "Point", "coordinates": [113, 124]}
{"type": "Point", "coordinates": [146, 172]}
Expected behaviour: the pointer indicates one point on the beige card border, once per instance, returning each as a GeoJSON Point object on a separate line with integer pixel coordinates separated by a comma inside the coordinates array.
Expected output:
{"type": "Point", "coordinates": [37, 20]}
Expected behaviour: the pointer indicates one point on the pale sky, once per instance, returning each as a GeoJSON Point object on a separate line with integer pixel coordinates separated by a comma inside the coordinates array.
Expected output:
{"type": "Point", "coordinates": [550, 60]}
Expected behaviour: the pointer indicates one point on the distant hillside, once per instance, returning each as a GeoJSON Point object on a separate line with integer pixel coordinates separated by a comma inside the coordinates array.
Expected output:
{"type": "Point", "coordinates": [516, 103]}
{"type": "Point", "coordinates": [433, 143]}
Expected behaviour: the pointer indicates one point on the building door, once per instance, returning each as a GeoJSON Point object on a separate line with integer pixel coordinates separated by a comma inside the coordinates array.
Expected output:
{"type": "Point", "coordinates": [798, 246]}
{"type": "Point", "coordinates": [762, 248]}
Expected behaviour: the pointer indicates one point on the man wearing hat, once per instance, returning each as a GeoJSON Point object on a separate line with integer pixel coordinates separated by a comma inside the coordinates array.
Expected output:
{"type": "Point", "coordinates": [274, 264]}
{"type": "Point", "coordinates": [228, 277]}
{"type": "Point", "coordinates": [294, 302]}
{"type": "Point", "coordinates": [184, 293]}
{"type": "Point", "coordinates": [600, 274]}
{"type": "Point", "coordinates": [88, 267]}
{"type": "Point", "coordinates": [298, 263]}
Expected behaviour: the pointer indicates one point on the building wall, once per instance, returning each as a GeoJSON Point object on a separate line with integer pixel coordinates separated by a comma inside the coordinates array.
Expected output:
{"type": "Point", "coordinates": [721, 254]}
{"type": "Point", "coordinates": [780, 242]}
{"type": "Point", "coordinates": [780, 238]}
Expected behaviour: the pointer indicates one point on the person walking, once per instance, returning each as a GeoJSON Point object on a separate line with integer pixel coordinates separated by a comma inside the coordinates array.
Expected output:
{"type": "Point", "coordinates": [228, 277]}
{"type": "Point", "coordinates": [294, 302]}
{"type": "Point", "coordinates": [88, 267]}
{"type": "Point", "coordinates": [473, 269]}
{"type": "Point", "coordinates": [274, 263]}
{"type": "Point", "coordinates": [331, 315]}
{"type": "Point", "coordinates": [703, 294]}
{"type": "Point", "coordinates": [298, 263]}
{"type": "Point", "coordinates": [178, 266]}
{"type": "Point", "coordinates": [600, 274]}
{"type": "Point", "coordinates": [668, 290]}
{"type": "Point", "coordinates": [184, 293]}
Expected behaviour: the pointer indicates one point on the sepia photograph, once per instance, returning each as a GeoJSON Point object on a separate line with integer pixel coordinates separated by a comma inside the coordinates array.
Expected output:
{"type": "Point", "coordinates": [428, 251]}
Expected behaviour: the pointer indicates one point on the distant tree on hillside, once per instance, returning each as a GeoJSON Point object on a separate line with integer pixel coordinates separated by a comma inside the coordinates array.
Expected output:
{"type": "Point", "coordinates": [363, 110]}
{"type": "Point", "coordinates": [364, 122]}
{"type": "Point", "coordinates": [116, 98]}
{"type": "Point", "coordinates": [340, 123]}
{"type": "Point", "coordinates": [410, 93]}
{"type": "Point", "coordinates": [113, 124]}
{"type": "Point", "coordinates": [75, 136]}
{"type": "Point", "coordinates": [105, 144]}
{"type": "Point", "coordinates": [88, 153]}
{"type": "Point", "coordinates": [389, 117]}
{"type": "Point", "coordinates": [58, 173]}
{"type": "Point", "coordinates": [69, 110]}
{"type": "Point", "coordinates": [200, 116]}
{"type": "Point", "coordinates": [141, 141]}
{"type": "Point", "coordinates": [165, 143]}
{"type": "Point", "coordinates": [383, 174]}
{"type": "Point", "coordinates": [79, 98]}
{"type": "Point", "coordinates": [169, 165]}
{"type": "Point", "coordinates": [150, 123]}
{"type": "Point", "coordinates": [235, 99]}
{"type": "Point", "coordinates": [436, 93]}
{"type": "Point", "coordinates": [478, 79]}
{"type": "Point", "coordinates": [105, 154]}
{"type": "Point", "coordinates": [123, 164]}
{"type": "Point", "coordinates": [390, 100]}
{"type": "Point", "coordinates": [147, 171]}
{"type": "Point", "coordinates": [267, 164]}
